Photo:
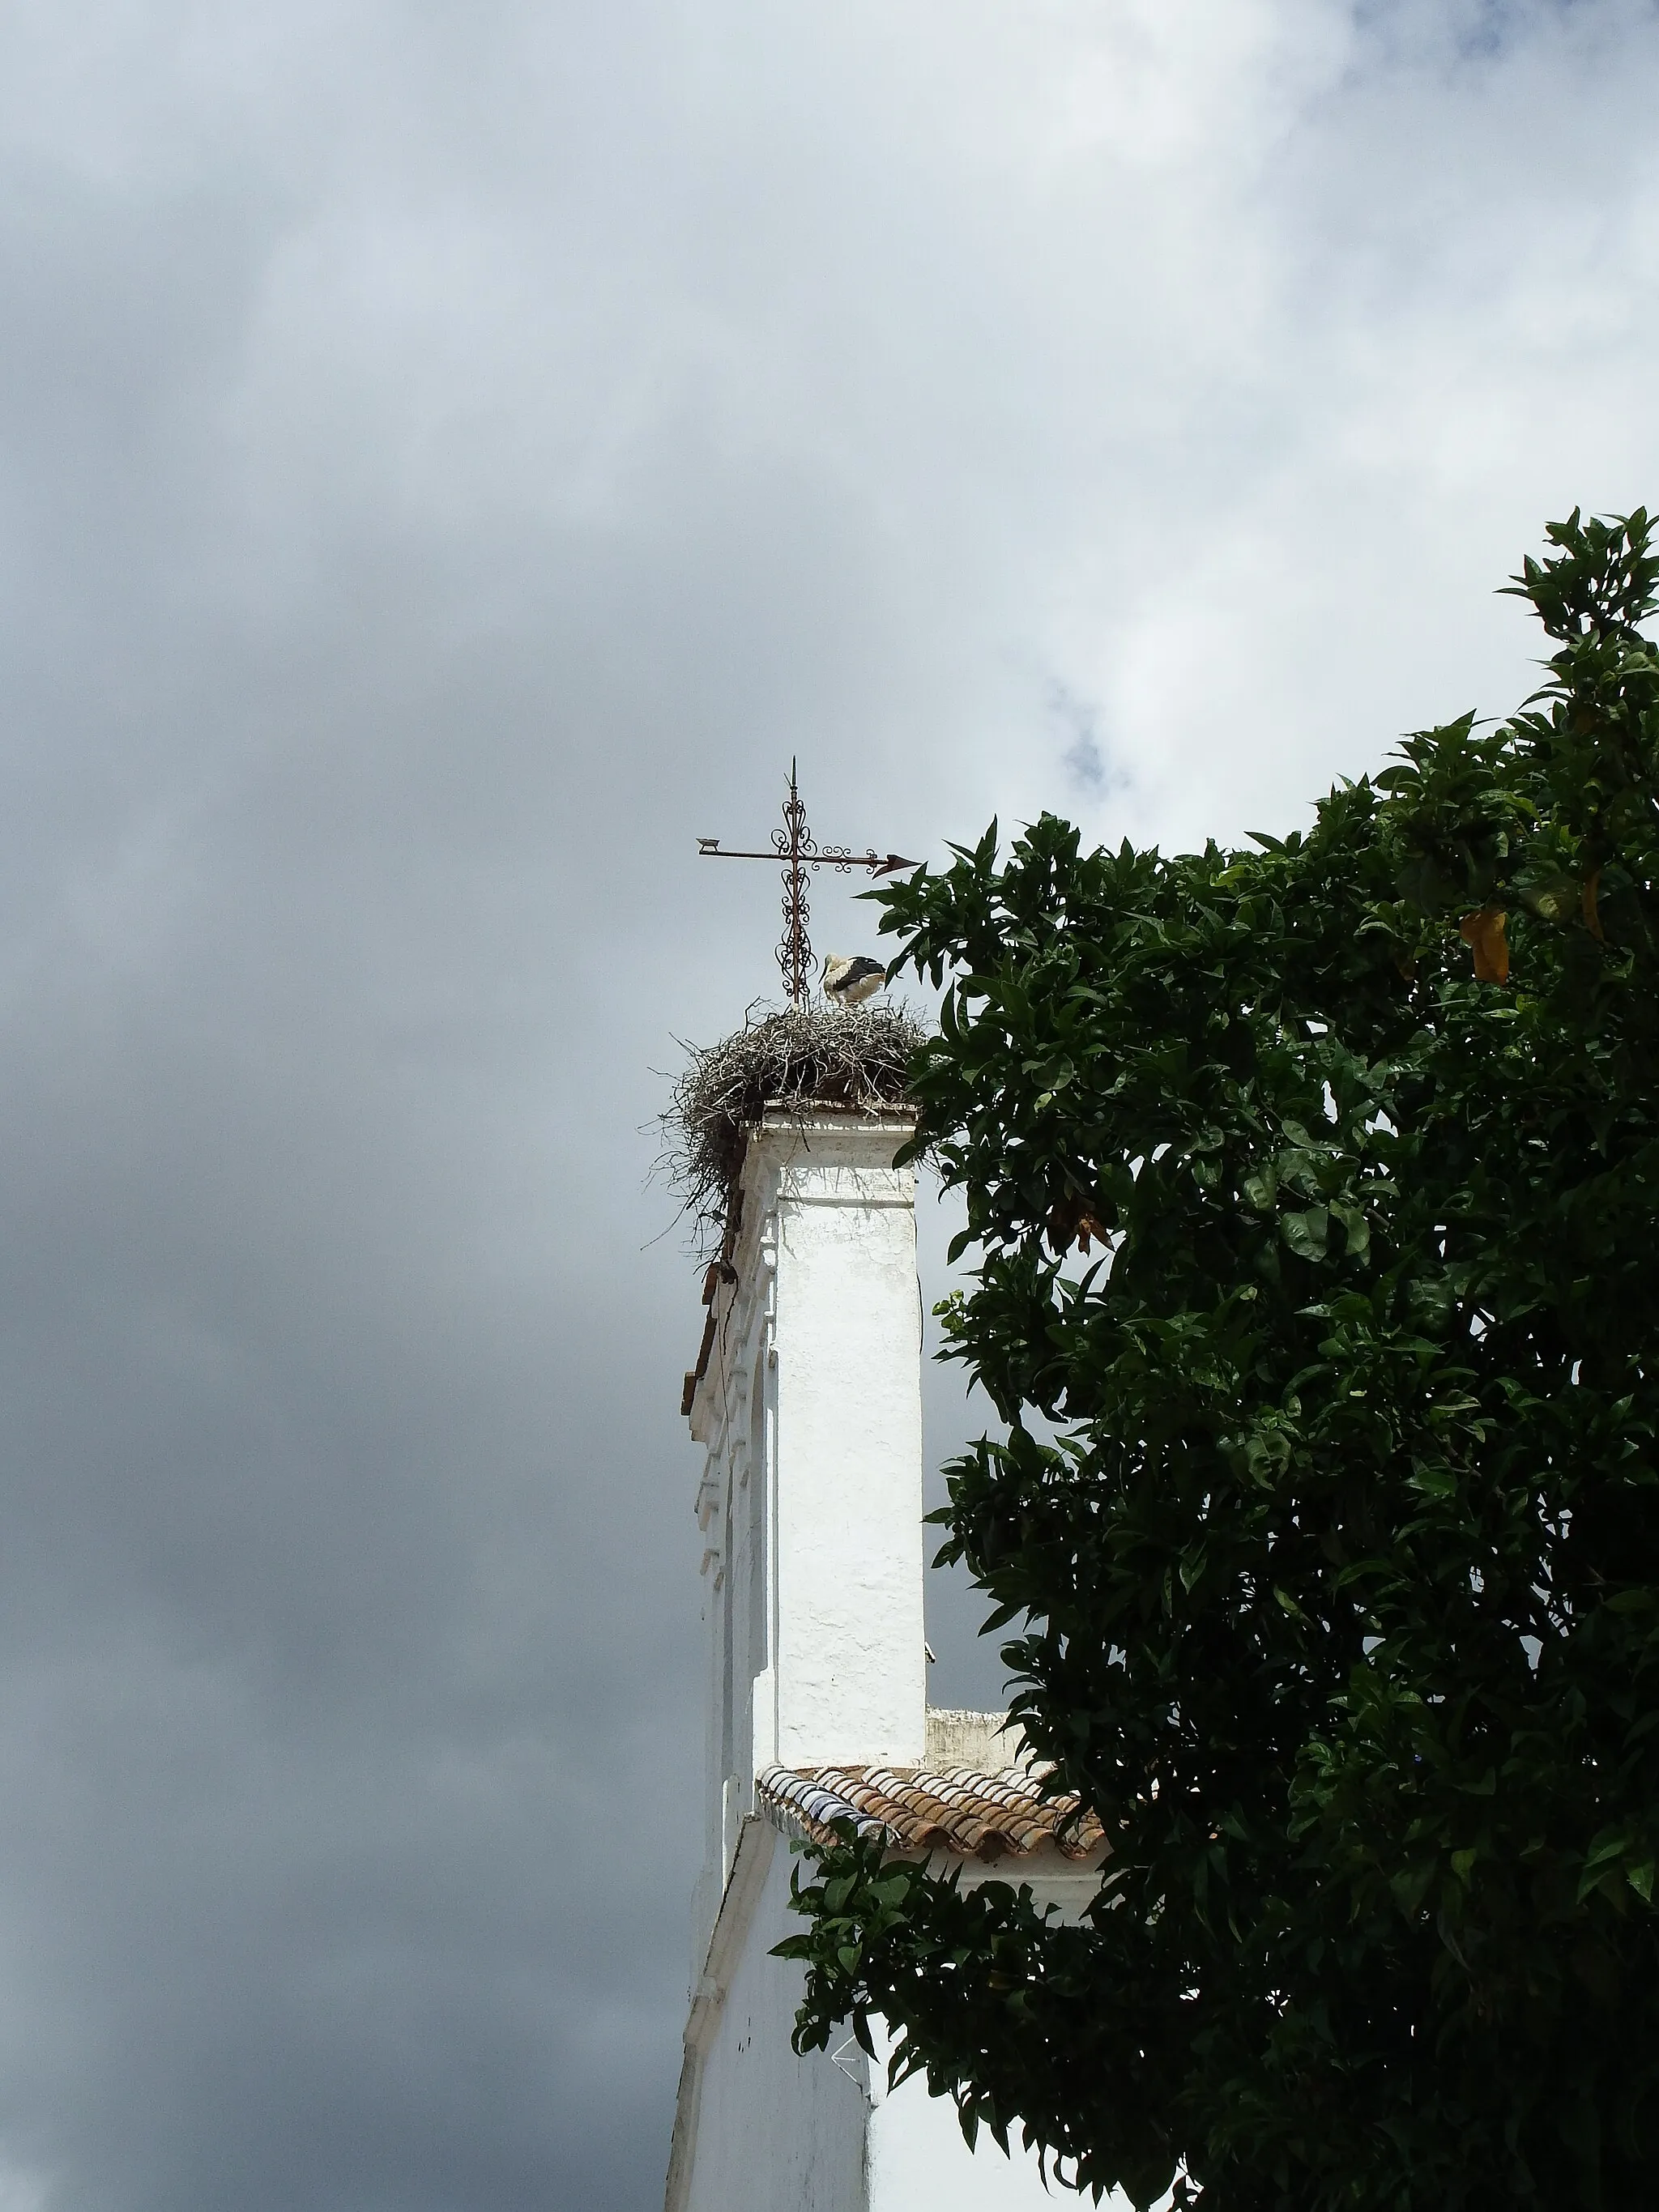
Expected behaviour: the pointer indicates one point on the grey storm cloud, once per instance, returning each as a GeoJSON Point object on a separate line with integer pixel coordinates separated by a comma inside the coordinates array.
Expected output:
{"type": "Point", "coordinates": [450, 457]}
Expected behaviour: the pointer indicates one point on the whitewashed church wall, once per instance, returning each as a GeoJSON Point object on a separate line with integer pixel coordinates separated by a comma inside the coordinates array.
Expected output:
{"type": "Point", "coordinates": [810, 1505]}
{"type": "Point", "coordinates": [775, 2132]}
{"type": "Point", "coordinates": [851, 1670]}
{"type": "Point", "coordinates": [918, 2160]}
{"type": "Point", "coordinates": [810, 1502]}
{"type": "Point", "coordinates": [779, 2133]}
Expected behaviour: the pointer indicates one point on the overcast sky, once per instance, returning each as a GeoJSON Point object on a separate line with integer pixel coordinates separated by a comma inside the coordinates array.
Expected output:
{"type": "Point", "coordinates": [451, 454]}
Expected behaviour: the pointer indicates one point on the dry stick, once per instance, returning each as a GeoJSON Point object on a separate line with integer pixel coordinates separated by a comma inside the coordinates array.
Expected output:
{"type": "Point", "coordinates": [854, 1059]}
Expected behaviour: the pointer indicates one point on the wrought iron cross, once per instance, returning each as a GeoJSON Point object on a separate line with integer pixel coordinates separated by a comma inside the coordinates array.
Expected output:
{"type": "Point", "coordinates": [795, 845]}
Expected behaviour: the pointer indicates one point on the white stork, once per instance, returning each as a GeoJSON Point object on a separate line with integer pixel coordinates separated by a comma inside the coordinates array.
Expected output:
{"type": "Point", "coordinates": [850, 982]}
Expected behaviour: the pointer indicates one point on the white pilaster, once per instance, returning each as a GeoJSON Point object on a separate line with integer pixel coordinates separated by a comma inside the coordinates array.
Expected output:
{"type": "Point", "coordinates": [810, 1409]}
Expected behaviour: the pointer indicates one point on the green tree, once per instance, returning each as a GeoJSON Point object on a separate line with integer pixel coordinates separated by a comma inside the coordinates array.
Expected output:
{"type": "Point", "coordinates": [1317, 1196]}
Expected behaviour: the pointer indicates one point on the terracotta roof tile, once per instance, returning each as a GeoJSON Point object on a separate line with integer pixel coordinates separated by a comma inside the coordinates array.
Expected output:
{"type": "Point", "coordinates": [982, 1816]}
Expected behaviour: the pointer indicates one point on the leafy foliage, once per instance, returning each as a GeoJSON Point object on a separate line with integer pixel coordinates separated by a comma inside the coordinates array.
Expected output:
{"type": "Point", "coordinates": [1316, 1191]}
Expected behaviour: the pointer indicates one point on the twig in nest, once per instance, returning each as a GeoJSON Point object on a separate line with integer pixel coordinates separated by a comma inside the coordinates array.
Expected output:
{"type": "Point", "coordinates": [853, 1058]}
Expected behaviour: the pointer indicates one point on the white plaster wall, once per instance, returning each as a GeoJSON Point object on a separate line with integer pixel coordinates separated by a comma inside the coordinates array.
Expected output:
{"type": "Point", "coordinates": [774, 2133]}
{"type": "Point", "coordinates": [813, 1602]}
{"type": "Point", "coordinates": [777, 2133]}
{"type": "Point", "coordinates": [810, 1498]}
{"type": "Point", "coordinates": [917, 2159]}
{"type": "Point", "coordinates": [850, 1668]}
{"type": "Point", "coordinates": [919, 2162]}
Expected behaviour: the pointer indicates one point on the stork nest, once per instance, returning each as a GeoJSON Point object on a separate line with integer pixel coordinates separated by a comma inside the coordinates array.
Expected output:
{"type": "Point", "coordinates": [850, 1058]}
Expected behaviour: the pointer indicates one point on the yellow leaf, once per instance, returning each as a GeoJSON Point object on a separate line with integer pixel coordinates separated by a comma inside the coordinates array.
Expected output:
{"type": "Point", "coordinates": [1483, 932]}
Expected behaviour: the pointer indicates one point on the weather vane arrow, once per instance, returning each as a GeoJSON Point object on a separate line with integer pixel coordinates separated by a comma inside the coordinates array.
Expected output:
{"type": "Point", "coordinates": [797, 850]}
